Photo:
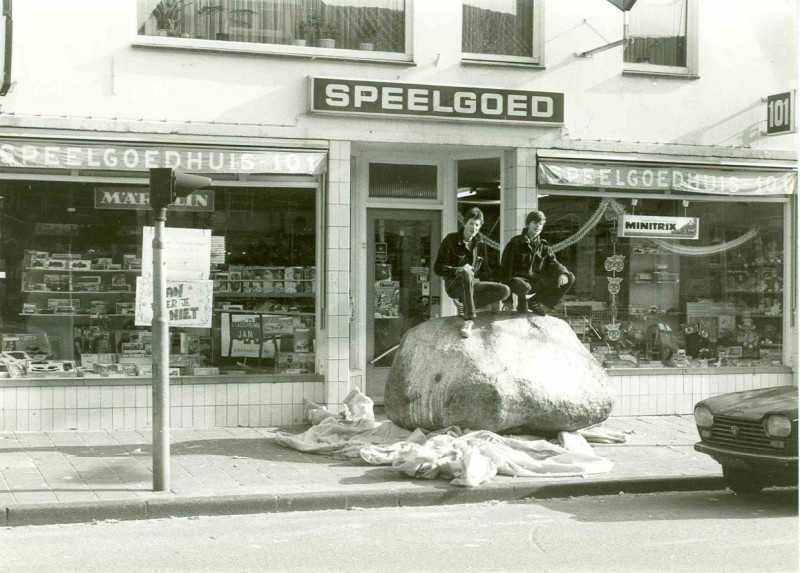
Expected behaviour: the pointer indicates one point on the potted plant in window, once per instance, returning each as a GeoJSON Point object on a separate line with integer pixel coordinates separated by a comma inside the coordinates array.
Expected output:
{"type": "Point", "coordinates": [368, 34]}
{"type": "Point", "coordinates": [226, 16]}
{"type": "Point", "coordinates": [168, 15]}
{"type": "Point", "coordinates": [323, 33]}
{"type": "Point", "coordinates": [300, 38]}
{"type": "Point", "coordinates": [327, 36]}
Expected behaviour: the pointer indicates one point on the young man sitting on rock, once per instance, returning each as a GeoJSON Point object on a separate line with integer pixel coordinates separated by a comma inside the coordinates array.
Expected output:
{"type": "Point", "coordinates": [460, 262]}
{"type": "Point", "coordinates": [529, 265]}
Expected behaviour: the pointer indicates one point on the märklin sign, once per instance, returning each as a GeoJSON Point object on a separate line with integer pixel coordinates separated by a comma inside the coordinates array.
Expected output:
{"type": "Point", "coordinates": [139, 199]}
{"type": "Point", "coordinates": [442, 102]}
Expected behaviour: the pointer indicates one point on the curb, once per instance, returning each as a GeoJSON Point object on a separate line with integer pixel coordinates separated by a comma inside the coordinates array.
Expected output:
{"type": "Point", "coordinates": [82, 512]}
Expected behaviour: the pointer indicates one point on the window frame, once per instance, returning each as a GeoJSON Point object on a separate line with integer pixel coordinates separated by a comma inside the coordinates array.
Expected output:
{"type": "Point", "coordinates": [692, 50]}
{"type": "Point", "coordinates": [285, 50]}
{"type": "Point", "coordinates": [537, 43]}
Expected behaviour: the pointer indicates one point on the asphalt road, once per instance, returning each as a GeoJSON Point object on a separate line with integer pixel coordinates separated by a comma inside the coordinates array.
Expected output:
{"type": "Point", "coordinates": [693, 532]}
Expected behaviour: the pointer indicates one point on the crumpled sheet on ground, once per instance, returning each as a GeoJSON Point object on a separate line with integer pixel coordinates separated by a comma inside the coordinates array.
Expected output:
{"type": "Point", "coordinates": [467, 458]}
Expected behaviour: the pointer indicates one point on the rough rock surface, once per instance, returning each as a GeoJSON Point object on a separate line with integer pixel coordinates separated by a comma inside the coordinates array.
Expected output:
{"type": "Point", "coordinates": [521, 373]}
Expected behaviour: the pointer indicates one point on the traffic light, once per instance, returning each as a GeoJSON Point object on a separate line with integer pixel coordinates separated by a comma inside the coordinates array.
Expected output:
{"type": "Point", "coordinates": [624, 5]}
{"type": "Point", "coordinates": [166, 185]}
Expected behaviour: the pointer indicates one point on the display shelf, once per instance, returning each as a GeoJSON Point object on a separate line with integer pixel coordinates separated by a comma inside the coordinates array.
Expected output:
{"type": "Point", "coordinates": [77, 292]}
{"type": "Point", "coordinates": [265, 312]}
{"type": "Point", "coordinates": [749, 291]}
{"type": "Point", "coordinates": [260, 295]}
{"type": "Point", "coordinates": [63, 315]}
{"type": "Point", "coordinates": [90, 271]}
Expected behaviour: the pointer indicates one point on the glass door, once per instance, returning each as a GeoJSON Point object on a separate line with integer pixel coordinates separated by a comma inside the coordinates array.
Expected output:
{"type": "Point", "coordinates": [402, 290]}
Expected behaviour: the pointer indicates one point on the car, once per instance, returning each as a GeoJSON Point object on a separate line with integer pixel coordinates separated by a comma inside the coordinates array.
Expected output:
{"type": "Point", "coordinates": [753, 434]}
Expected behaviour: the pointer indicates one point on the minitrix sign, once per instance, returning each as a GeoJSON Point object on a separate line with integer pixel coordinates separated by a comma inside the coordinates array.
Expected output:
{"type": "Point", "coordinates": [644, 226]}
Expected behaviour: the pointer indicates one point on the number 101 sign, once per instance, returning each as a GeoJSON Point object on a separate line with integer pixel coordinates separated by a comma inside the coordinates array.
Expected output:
{"type": "Point", "coordinates": [780, 113]}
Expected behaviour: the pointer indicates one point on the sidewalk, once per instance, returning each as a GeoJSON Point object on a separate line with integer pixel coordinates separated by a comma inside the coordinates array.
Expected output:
{"type": "Point", "coordinates": [65, 477]}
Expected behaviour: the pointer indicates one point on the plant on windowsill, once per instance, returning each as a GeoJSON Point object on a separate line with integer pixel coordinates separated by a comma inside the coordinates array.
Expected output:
{"type": "Point", "coordinates": [225, 16]}
{"type": "Point", "coordinates": [327, 36]}
{"type": "Point", "coordinates": [168, 15]}
{"type": "Point", "coordinates": [368, 34]}
{"type": "Point", "coordinates": [323, 34]}
{"type": "Point", "coordinates": [300, 38]}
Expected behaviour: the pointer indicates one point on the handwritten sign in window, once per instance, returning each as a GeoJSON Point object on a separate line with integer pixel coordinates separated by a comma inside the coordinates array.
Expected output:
{"type": "Point", "coordinates": [189, 302]}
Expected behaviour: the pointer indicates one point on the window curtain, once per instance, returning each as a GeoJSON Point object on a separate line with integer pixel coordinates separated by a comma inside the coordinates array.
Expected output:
{"type": "Point", "coordinates": [658, 29]}
{"type": "Point", "coordinates": [352, 23]}
{"type": "Point", "coordinates": [502, 27]}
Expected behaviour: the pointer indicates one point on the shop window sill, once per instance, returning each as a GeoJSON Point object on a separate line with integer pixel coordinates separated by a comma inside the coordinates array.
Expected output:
{"type": "Point", "coordinates": [174, 380]}
{"type": "Point", "coordinates": [502, 64]}
{"type": "Point", "coordinates": [271, 50]}
{"type": "Point", "coordinates": [657, 74]}
{"type": "Point", "coordinates": [710, 370]}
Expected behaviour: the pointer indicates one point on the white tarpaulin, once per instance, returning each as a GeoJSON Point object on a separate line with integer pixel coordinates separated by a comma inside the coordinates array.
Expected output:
{"type": "Point", "coordinates": [467, 458]}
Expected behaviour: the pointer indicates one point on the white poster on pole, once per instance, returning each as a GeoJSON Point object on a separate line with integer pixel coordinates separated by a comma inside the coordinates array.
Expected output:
{"type": "Point", "coordinates": [187, 252]}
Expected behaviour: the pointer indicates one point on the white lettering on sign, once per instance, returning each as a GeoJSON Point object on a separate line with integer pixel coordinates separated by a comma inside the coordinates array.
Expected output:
{"type": "Point", "coordinates": [390, 98]}
{"type": "Point", "coordinates": [696, 180]}
{"type": "Point", "coordinates": [26, 156]}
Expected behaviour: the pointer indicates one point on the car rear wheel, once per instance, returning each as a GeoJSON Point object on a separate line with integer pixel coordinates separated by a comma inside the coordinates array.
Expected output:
{"type": "Point", "coordinates": [743, 482]}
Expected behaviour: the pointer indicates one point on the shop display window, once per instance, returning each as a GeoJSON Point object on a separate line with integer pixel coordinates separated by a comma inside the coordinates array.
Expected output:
{"type": "Point", "coordinates": [646, 302]}
{"type": "Point", "coordinates": [67, 304]}
{"type": "Point", "coordinates": [364, 25]}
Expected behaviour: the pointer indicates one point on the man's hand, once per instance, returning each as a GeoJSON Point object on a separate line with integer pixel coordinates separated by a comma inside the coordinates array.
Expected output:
{"type": "Point", "coordinates": [464, 269]}
{"type": "Point", "coordinates": [562, 280]}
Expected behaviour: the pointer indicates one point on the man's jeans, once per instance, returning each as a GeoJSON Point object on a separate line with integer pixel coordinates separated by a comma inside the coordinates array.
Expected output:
{"type": "Point", "coordinates": [474, 293]}
{"type": "Point", "coordinates": [546, 290]}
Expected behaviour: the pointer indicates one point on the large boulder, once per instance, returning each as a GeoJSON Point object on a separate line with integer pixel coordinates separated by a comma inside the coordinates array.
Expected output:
{"type": "Point", "coordinates": [516, 372]}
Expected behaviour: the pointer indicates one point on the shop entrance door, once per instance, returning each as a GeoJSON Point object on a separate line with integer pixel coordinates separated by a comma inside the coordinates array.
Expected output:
{"type": "Point", "coordinates": [402, 290]}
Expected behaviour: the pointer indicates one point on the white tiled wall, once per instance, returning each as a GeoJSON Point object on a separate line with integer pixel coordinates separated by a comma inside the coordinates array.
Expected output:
{"type": "Point", "coordinates": [677, 393]}
{"type": "Point", "coordinates": [519, 181]}
{"type": "Point", "coordinates": [130, 407]}
{"type": "Point", "coordinates": [336, 367]}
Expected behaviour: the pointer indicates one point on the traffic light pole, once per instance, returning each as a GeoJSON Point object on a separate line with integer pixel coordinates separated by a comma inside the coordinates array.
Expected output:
{"type": "Point", "coordinates": [166, 185]}
{"type": "Point", "coordinates": [160, 325]}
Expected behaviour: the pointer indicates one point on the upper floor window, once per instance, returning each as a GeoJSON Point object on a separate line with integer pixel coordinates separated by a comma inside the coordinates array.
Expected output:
{"type": "Point", "coordinates": [663, 36]}
{"type": "Point", "coordinates": [502, 30]}
{"type": "Point", "coordinates": [374, 25]}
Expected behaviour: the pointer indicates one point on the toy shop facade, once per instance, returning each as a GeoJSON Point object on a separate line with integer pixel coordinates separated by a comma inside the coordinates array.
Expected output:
{"type": "Point", "coordinates": [244, 295]}
{"type": "Point", "coordinates": [684, 264]}
{"type": "Point", "coordinates": [685, 267]}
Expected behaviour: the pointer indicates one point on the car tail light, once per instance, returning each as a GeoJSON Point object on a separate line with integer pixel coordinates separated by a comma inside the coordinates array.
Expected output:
{"type": "Point", "coordinates": [778, 426]}
{"type": "Point", "coordinates": [703, 417]}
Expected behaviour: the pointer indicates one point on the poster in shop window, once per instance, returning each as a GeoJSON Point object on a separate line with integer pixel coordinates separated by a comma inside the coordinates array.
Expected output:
{"type": "Point", "coordinates": [387, 299]}
{"type": "Point", "coordinates": [244, 335]}
{"type": "Point", "coordinates": [189, 302]}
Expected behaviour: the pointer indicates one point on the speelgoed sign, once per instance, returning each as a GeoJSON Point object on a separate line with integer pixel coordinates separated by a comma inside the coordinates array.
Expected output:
{"type": "Point", "coordinates": [104, 157]}
{"type": "Point", "coordinates": [651, 227]}
{"type": "Point", "coordinates": [399, 99]}
{"type": "Point", "coordinates": [662, 178]}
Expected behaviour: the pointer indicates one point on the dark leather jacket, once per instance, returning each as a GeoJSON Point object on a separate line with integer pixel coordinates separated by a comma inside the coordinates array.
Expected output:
{"type": "Point", "coordinates": [453, 253]}
{"type": "Point", "coordinates": [529, 260]}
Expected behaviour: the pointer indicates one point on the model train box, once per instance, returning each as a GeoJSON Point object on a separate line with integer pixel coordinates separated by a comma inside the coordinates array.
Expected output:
{"type": "Point", "coordinates": [80, 265]}
{"type": "Point", "coordinates": [276, 325]}
{"type": "Point", "coordinates": [295, 362]}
